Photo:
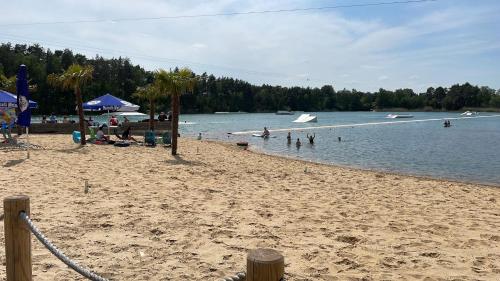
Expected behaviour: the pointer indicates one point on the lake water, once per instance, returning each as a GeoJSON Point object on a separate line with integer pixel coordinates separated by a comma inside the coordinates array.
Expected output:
{"type": "Point", "coordinates": [467, 151]}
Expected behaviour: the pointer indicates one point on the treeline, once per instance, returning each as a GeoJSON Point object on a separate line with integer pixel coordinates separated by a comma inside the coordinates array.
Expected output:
{"type": "Point", "coordinates": [121, 78]}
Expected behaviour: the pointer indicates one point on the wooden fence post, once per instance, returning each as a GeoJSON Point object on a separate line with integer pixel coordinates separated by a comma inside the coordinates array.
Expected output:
{"type": "Point", "coordinates": [265, 265]}
{"type": "Point", "coordinates": [17, 239]}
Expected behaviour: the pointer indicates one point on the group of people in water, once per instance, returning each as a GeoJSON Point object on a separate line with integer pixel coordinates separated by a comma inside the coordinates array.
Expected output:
{"type": "Point", "coordinates": [447, 123]}
{"type": "Point", "coordinates": [298, 143]}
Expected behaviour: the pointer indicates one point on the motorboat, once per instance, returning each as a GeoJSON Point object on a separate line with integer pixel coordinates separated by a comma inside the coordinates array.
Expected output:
{"type": "Point", "coordinates": [393, 116]}
{"type": "Point", "coordinates": [284, 112]}
{"type": "Point", "coordinates": [304, 118]}
{"type": "Point", "coordinates": [469, 113]}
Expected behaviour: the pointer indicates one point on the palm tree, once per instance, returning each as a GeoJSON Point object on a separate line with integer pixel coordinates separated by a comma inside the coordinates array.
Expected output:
{"type": "Point", "coordinates": [175, 83]}
{"type": "Point", "coordinates": [151, 93]}
{"type": "Point", "coordinates": [74, 78]}
{"type": "Point", "coordinates": [8, 83]}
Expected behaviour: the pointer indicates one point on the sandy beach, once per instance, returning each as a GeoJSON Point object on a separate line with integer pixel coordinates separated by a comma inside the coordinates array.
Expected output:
{"type": "Point", "coordinates": [150, 216]}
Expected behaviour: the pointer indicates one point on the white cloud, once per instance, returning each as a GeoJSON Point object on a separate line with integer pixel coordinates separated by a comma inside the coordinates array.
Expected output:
{"type": "Point", "coordinates": [440, 46]}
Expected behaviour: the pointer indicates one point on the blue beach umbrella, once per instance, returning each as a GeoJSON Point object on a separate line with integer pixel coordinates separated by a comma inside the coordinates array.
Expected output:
{"type": "Point", "coordinates": [8, 100]}
{"type": "Point", "coordinates": [109, 102]}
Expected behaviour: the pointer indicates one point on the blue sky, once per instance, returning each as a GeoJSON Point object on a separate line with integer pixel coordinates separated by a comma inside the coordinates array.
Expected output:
{"type": "Point", "coordinates": [392, 46]}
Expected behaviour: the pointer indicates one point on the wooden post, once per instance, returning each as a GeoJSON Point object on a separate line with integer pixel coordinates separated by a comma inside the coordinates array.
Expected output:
{"type": "Point", "coordinates": [17, 239]}
{"type": "Point", "coordinates": [265, 265]}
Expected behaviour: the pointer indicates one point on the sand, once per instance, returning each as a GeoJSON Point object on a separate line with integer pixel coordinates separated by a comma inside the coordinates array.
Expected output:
{"type": "Point", "coordinates": [150, 216]}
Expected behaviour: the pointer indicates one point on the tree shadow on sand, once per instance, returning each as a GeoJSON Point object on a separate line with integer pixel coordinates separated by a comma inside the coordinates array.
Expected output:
{"type": "Point", "coordinates": [12, 163]}
{"type": "Point", "coordinates": [179, 161]}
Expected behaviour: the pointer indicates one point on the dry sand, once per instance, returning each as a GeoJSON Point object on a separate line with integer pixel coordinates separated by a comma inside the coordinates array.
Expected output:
{"type": "Point", "coordinates": [150, 216]}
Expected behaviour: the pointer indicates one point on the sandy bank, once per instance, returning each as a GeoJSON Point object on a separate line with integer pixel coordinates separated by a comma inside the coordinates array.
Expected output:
{"type": "Point", "coordinates": [150, 216]}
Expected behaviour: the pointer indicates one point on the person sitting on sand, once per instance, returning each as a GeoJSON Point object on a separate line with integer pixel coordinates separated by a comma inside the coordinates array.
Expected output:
{"type": "Point", "coordinates": [266, 133]}
{"type": "Point", "coordinates": [199, 136]}
{"type": "Point", "coordinates": [298, 143]}
{"type": "Point", "coordinates": [126, 135]}
{"type": "Point", "coordinates": [99, 135]}
{"type": "Point", "coordinates": [311, 138]}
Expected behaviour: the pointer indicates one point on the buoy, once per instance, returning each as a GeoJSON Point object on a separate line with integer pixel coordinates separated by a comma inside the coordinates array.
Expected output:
{"type": "Point", "coordinates": [242, 143]}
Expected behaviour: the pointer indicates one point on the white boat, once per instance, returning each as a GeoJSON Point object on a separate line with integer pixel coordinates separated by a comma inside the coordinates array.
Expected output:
{"type": "Point", "coordinates": [284, 112]}
{"type": "Point", "coordinates": [392, 116]}
{"type": "Point", "coordinates": [469, 113]}
{"type": "Point", "coordinates": [304, 118]}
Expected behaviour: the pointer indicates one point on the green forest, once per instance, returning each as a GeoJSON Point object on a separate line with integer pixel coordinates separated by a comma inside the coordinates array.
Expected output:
{"type": "Point", "coordinates": [120, 78]}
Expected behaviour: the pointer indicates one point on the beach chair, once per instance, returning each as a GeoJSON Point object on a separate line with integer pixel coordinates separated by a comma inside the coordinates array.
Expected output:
{"type": "Point", "coordinates": [150, 138]}
{"type": "Point", "coordinates": [77, 136]}
{"type": "Point", "coordinates": [8, 139]}
{"type": "Point", "coordinates": [166, 138]}
{"type": "Point", "coordinates": [92, 135]}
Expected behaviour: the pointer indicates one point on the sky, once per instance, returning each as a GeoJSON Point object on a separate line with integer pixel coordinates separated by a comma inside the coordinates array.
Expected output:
{"type": "Point", "coordinates": [414, 45]}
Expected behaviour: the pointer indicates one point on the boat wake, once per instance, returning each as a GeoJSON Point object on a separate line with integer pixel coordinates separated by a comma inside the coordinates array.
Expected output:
{"type": "Point", "coordinates": [364, 124]}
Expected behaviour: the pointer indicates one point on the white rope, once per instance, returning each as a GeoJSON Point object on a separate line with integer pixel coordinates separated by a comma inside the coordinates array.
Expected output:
{"type": "Point", "coordinates": [240, 276]}
{"type": "Point", "coordinates": [56, 252]}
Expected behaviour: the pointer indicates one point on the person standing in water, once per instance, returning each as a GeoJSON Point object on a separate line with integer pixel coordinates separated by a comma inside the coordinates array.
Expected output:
{"type": "Point", "coordinates": [311, 138]}
{"type": "Point", "coordinates": [289, 138]}
{"type": "Point", "coordinates": [298, 143]}
{"type": "Point", "coordinates": [266, 133]}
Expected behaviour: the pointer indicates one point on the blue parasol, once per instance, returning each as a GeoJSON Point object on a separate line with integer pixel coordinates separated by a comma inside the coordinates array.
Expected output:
{"type": "Point", "coordinates": [8, 100]}
{"type": "Point", "coordinates": [23, 97]}
{"type": "Point", "coordinates": [109, 102]}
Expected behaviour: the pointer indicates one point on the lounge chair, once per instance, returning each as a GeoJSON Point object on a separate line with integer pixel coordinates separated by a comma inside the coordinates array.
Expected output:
{"type": "Point", "coordinates": [92, 135]}
{"type": "Point", "coordinates": [6, 135]}
{"type": "Point", "coordinates": [150, 138]}
{"type": "Point", "coordinates": [166, 138]}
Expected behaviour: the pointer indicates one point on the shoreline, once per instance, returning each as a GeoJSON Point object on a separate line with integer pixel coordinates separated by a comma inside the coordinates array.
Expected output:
{"type": "Point", "coordinates": [354, 168]}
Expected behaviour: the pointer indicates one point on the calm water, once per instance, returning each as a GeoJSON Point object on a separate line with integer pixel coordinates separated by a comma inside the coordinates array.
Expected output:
{"type": "Point", "coordinates": [468, 151]}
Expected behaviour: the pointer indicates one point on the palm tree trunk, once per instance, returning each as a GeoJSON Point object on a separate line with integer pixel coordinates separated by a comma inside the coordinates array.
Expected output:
{"type": "Point", "coordinates": [151, 115]}
{"type": "Point", "coordinates": [81, 121]}
{"type": "Point", "coordinates": [175, 121]}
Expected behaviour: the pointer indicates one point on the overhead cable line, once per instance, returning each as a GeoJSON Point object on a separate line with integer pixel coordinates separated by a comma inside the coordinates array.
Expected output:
{"type": "Point", "coordinates": [322, 8]}
{"type": "Point", "coordinates": [174, 62]}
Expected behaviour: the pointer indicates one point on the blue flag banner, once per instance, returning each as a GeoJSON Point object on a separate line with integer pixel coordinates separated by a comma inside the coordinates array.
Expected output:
{"type": "Point", "coordinates": [23, 97]}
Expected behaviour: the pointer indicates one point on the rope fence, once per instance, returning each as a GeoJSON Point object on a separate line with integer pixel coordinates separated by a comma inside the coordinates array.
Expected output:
{"type": "Point", "coordinates": [262, 264]}
{"type": "Point", "coordinates": [56, 252]}
{"type": "Point", "coordinates": [240, 276]}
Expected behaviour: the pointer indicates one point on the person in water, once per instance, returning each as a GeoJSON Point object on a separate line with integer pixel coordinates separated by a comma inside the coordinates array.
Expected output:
{"type": "Point", "coordinates": [298, 143]}
{"type": "Point", "coordinates": [311, 138]}
{"type": "Point", "coordinates": [289, 138]}
{"type": "Point", "coordinates": [266, 132]}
